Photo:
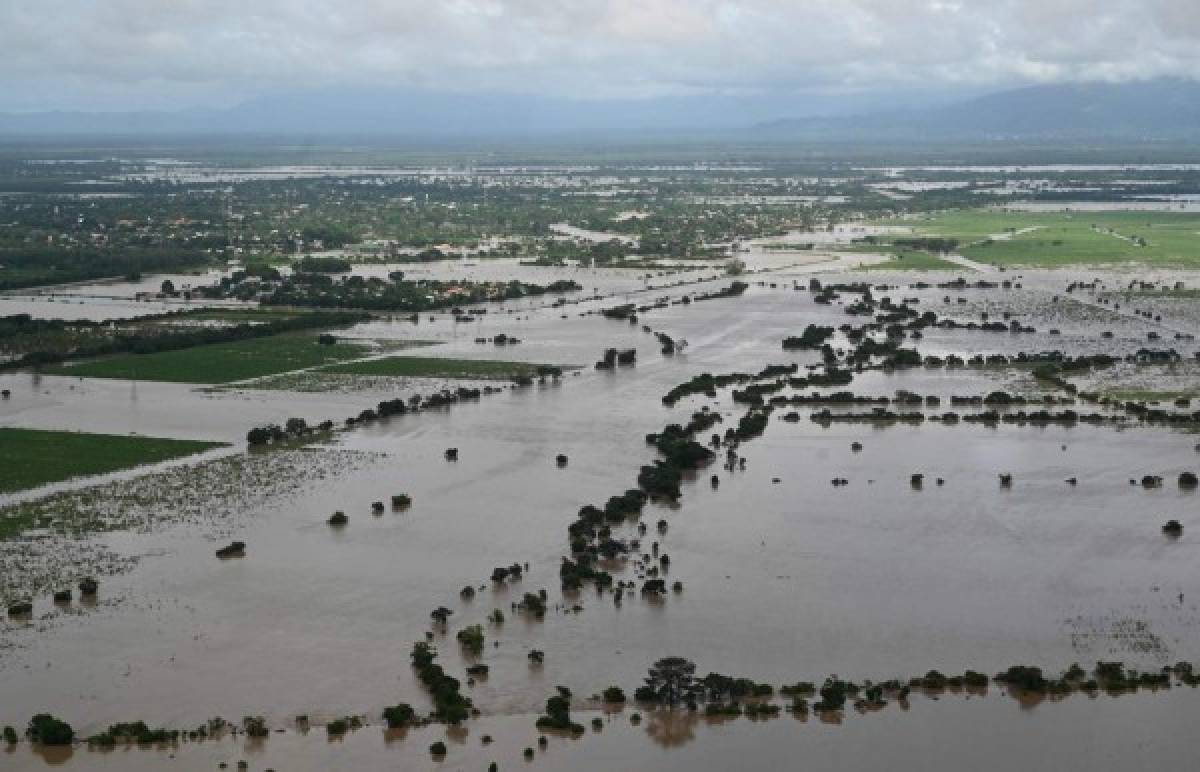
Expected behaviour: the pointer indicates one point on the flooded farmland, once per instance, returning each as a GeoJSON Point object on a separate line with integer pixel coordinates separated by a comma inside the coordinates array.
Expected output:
{"type": "Point", "coordinates": [955, 471]}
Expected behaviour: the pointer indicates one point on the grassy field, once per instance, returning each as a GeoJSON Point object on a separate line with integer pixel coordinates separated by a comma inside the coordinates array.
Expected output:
{"type": "Point", "coordinates": [219, 362]}
{"type": "Point", "coordinates": [31, 457]}
{"type": "Point", "coordinates": [1052, 239]}
{"type": "Point", "coordinates": [433, 367]}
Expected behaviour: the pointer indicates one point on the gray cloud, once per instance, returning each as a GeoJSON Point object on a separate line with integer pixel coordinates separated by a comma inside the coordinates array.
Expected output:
{"type": "Point", "coordinates": [150, 53]}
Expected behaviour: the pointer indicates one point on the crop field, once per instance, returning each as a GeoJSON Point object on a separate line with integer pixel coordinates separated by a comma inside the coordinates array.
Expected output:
{"type": "Point", "coordinates": [841, 483]}
{"type": "Point", "coordinates": [220, 362]}
{"type": "Point", "coordinates": [1053, 239]}
{"type": "Point", "coordinates": [31, 457]}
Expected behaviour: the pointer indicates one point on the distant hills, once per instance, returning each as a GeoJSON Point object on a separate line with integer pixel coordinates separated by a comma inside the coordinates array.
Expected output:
{"type": "Point", "coordinates": [1155, 109]}
{"type": "Point", "coordinates": [415, 113]}
{"type": "Point", "coordinates": [1149, 110]}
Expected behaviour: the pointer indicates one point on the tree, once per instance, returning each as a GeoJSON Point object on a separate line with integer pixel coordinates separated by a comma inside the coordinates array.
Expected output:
{"type": "Point", "coordinates": [398, 716]}
{"type": "Point", "coordinates": [558, 713]}
{"type": "Point", "coordinates": [471, 638]}
{"type": "Point", "coordinates": [48, 730]}
{"type": "Point", "coordinates": [671, 679]}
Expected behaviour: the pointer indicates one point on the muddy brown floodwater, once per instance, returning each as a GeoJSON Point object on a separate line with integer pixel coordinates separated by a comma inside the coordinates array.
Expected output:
{"type": "Point", "coordinates": [782, 582]}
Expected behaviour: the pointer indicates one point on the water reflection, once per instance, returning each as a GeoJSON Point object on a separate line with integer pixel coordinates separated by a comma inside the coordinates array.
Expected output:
{"type": "Point", "coordinates": [55, 755]}
{"type": "Point", "coordinates": [672, 728]}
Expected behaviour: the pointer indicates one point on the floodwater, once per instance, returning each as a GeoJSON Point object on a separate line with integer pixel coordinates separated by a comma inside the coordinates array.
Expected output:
{"type": "Point", "coordinates": [783, 581]}
{"type": "Point", "coordinates": [992, 733]}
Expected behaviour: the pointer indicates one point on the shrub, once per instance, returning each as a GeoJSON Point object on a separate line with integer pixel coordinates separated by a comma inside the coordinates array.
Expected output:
{"type": "Point", "coordinates": [471, 639]}
{"type": "Point", "coordinates": [1023, 677]}
{"type": "Point", "coordinates": [255, 726]}
{"type": "Point", "coordinates": [398, 716]}
{"type": "Point", "coordinates": [48, 730]}
{"type": "Point", "coordinates": [614, 694]}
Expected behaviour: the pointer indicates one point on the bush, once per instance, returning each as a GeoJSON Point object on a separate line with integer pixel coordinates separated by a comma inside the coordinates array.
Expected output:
{"type": "Point", "coordinates": [399, 716]}
{"type": "Point", "coordinates": [137, 732]}
{"type": "Point", "coordinates": [534, 604]}
{"type": "Point", "coordinates": [471, 639]}
{"type": "Point", "coordinates": [255, 726]}
{"type": "Point", "coordinates": [1023, 677]}
{"type": "Point", "coordinates": [48, 730]}
{"type": "Point", "coordinates": [614, 694]}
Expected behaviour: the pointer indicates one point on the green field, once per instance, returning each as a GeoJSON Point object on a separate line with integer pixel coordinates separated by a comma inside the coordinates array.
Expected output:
{"type": "Point", "coordinates": [1052, 239]}
{"type": "Point", "coordinates": [219, 362]}
{"type": "Point", "coordinates": [31, 457]}
{"type": "Point", "coordinates": [433, 367]}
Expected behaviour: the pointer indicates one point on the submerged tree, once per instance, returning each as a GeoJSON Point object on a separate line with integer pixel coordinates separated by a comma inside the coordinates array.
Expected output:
{"type": "Point", "coordinates": [670, 680]}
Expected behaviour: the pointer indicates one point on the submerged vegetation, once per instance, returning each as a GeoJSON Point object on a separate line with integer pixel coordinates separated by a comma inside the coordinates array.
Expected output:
{"type": "Point", "coordinates": [449, 705]}
{"type": "Point", "coordinates": [433, 367]}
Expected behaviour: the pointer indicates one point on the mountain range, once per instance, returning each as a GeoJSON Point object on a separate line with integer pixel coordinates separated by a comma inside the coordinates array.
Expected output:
{"type": "Point", "coordinates": [1166, 108]}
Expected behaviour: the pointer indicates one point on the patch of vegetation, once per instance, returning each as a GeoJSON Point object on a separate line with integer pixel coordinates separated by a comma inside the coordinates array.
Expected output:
{"type": "Point", "coordinates": [1149, 395]}
{"type": "Point", "coordinates": [911, 261]}
{"type": "Point", "coordinates": [395, 293]}
{"type": "Point", "coordinates": [40, 342]}
{"type": "Point", "coordinates": [433, 367]}
{"type": "Point", "coordinates": [134, 732]}
{"type": "Point", "coordinates": [449, 705]}
{"type": "Point", "coordinates": [471, 639]}
{"type": "Point", "coordinates": [558, 713]}
{"type": "Point", "coordinates": [1051, 239]}
{"type": "Point", "coordinates": [311, 264]}
{"type": "Point", "coordinates": [221, 362]}
{"type": "Point", "coordinates": [33, 457]}
{"type": "Point", "coordinates": [28, 266]}
{"type": "Point", "coordinates": [48, 730]}
{"type": "Point", "coordinates": [398, 716]}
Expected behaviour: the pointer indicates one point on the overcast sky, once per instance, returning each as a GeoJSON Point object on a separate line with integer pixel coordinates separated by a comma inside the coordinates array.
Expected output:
{"type": "Point", "coordinates": [133, 54]}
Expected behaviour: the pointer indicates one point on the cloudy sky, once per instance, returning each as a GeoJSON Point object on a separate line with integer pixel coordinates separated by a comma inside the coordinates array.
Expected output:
{"type": "Point", "coordinates": [137, 54]}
